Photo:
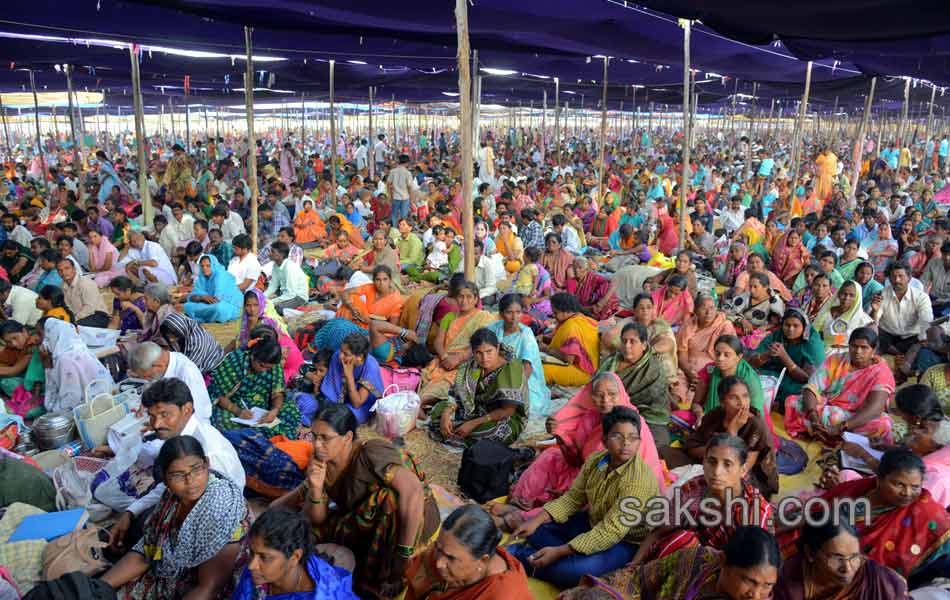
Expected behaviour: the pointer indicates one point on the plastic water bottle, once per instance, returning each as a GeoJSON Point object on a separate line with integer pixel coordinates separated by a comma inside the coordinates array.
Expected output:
{"type": "Point", "coordinates": [73, 448]}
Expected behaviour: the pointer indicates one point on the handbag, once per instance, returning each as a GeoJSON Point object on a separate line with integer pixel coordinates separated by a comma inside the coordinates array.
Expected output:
{"type": "Point", "coordinates": [77, 551]}
{"type": "Point", "coordinates": [486, 469]}
{"type": "Point", "coordinates": [404, 378]}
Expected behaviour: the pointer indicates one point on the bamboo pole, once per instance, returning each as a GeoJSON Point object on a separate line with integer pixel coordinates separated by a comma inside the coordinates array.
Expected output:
{"type": "Point", "coordinates": [6, 131]}
{"type": "Point", "coordinates": [748, 153]}
{"type": "Point", "coordinates": [36, 119]}
{"type": "Point", "coordinates": [557, 122]}
{"type": "Point", "coordinates": [147, 209]}
{"type": "Point", "coordinates": [465, 109]}
{"type": "Point", "coordinates": [681, 212]}
{"type": "Point", "coordinates": [544, 114]}
{"type": "Point", "coordinates": [371, 150]}
{"type": "Point", "coordinates": [930, 121]}
{"type": "Point", "coordinates": [77, 161]}
{"type": "Point", "coordinates": [603, 135]}
{"type": "Point", "coordinates": [859, 143]}
{"type": "Point", "coordinates": [332, 127]}
{"type": "Point", "coordinates": [187, 125]}
{"type": "Point", "coordinates": [902, 128]}
{"type": "Point", "coordinates": [251, 141]}
{"type": "Point", "coordinates": [800, 130]}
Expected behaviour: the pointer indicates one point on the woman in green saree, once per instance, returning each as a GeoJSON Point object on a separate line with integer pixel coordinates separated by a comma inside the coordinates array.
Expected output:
{"type": "Point", "coordinates": [728, 353]}
{"type": "Point", "coordinates": [645, 379]}
{"type": "Point", "coordinates": [487, 400]}
{"type": "Point", "coordinates": [795, 347]}
{"type": "Point", "coordinates": [253, 378]}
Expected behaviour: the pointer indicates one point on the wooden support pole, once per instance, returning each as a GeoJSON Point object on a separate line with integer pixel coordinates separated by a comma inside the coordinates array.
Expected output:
{"type": "Point", "coordinates": [465, 109]}
{"type": "Point", "coordinates": [930, 120]}
{"type": "Point", "coordinates": [544, 114]}
{"type": "Point", "coordinates": [902, 129]}
{"type": "Point", "coordinates": [332, 128]}
{"type": "Point", "coordinates": [6, 131]}
{"type": "Point", "coordinates": [371, 150]}
{"type": "Point", "coordinates": [748, 152]}
{"type": "Point", "coordinates": [77, 160]}
{"type": "Point", "coordinates": [36, 120]}
{"type": "Point", "coordinates": [557, 122]}
{"type": "Point", "coordinates": [148, 210]}
{"type": "Point", "coordinates": [859, 143]}
{"type": "Point", "coordinates": [251, 141]}
{"type": "Point", "coordinates": [681, 209]}
{"type": "Point", "coordinates": [602, 176]}
{"type": "Point", "coordinates": [800, 131]}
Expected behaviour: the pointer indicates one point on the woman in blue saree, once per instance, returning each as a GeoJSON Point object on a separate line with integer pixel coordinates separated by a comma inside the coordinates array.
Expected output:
{"type": "Point", "coordinates": [284, 564]}
{"type": "Point", "coordinates": [519, 337]}
{"type": "Point", "coordinates": [108, 177]}
{"type": "Point", "coordinates": [354, 377]}
{"type": "Point", "coordinates": [216, 298]}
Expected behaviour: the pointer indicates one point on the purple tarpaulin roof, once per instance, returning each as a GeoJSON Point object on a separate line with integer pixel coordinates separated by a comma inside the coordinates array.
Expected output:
{"type": "Point", "coordinates": [409, 51]}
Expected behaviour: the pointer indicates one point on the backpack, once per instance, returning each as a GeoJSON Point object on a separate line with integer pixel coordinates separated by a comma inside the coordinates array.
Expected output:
{"type": "Point", "coordinates": [72, 586]}
{"type": "Point", "coordinates": [485, 473]}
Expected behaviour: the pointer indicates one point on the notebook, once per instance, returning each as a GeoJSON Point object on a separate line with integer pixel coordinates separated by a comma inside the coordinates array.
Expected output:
{"type": "Point", "coordinates": [49, 526]}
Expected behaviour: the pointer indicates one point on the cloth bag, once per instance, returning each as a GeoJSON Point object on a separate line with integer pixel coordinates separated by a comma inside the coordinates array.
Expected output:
{"type": "Point", "coordinates": [77, 551]}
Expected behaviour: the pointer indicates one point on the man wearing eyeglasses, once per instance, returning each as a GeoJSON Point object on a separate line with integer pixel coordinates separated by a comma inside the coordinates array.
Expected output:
{"type": "Point", "coordinates": [171, 413]}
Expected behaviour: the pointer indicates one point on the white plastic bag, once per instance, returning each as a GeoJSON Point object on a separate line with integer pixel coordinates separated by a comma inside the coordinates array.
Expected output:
{"type": "Point", "coordinates": [396, 412]}
{"type": "Point", "coordinates": [114, 492]}
{"type": "Point", "coordinates": [72, 486]}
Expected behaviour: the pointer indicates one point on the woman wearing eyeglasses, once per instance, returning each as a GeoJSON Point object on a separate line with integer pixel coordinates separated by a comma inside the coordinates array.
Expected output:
{"type": "Point", "coordinates": [582, 532]}
{"type": "Point", "coordinates": [193, 540]}
{"type": "Point", "coordinates": [384, 511]}
{"type": "Point", "coordinates": [830, 565]}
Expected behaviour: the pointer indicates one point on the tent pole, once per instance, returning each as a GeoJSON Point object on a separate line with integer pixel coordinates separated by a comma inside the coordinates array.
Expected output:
{"type": "Point", "coordinates": [332, 127]}
{"type": "Point", "coordinates": [557, 122]}
{"type": "Point", "coordinates": [681, 211]}
{"type": "Point", "coordinates": [477, 109]}
{"type": "Point", "coordinates": [77, 161]}
{"type": "Point", "coordinates": [251, 142]}
{"type": "Point", "coordinates": [187, 125]}
{"type": "Point", "coordinates": [800, 131]}
{"type": "Point", "coordinates": [147, 208]}
{"type": "Point", "coordinates": [768, 127]}
{"type": "Point", "coordinates": [36, 119]}
{"type": "Point", "coordinates": [371, 150]}
{"type": "Point", "coordinates": [171, 116]}
{"type": "Point", "coordinates": [105, 109]}
{"type": "Point", "coordinates": [303, 120]}
{"type": "Point", "coordinates": [9, 152]}
{"type": "Point", "coordinates": [834, 120]}
{"type": "Point", "coordinates": [748, 152]}
{"type": "Point", "coordinates": [207, 129]}
{"type": "Point", "coordinates": [902, 130]}
{"type": "Point", "coordinates": [544, 114]}
{"type": "Point", "coordinates": [859, 143]}
{"type": "Point", "coordinates": [603, 136]}
{"type": "Point", "coordinates": [930, 120]}
{"type": "Point", "coordinates": [465, 108]}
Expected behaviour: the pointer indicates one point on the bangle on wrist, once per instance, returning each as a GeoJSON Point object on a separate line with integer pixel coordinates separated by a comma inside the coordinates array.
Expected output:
{"type": "Point", "coordinates": [405, 551]}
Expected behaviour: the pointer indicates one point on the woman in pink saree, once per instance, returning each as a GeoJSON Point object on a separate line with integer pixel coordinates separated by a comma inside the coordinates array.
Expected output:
{"type": "Point", "coordinates": [593, 290]}
{"type": "Point", "coordinates": [849, 392]}
{"type": "Point", "coordinates": [577, 429]}
{"type": "Point", "coordinates": [673, 302]}
{"type": "Point", "coordinates": [103, 260]}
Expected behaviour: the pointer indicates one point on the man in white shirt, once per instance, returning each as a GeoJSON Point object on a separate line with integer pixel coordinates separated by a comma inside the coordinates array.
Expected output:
{"type": "Point", "coordinates": [244, 266]}
{"type": "Point", "coordinates": [170, 414]}
{"type": "Point", "coordinates": [379, 154]}
{"type": "Point", "coordinates": [289, 286]}
{"type": "Point", "coordinates": [16, 232]}
{"type": "Point", "coordinates": [151, 362]}
{"type": "Point", "coordinates": [180, 228]}
{"type": "Point", "coordinates": [360, 156]}
{"type": "Point", "coordinates": [903, 313]}
{"type": "Point", "coordinates": [228, 222]}
{"type": "Point", "coordinates": [569, 238]}
{"type": "Point", "coordinates": [146, 261]}
{"type": "Point", "coordinates": [400, 184]}
{"type": "Point", "coordinates": [733, 217]}
{"type": "Point", "coordinates": [20, 302]}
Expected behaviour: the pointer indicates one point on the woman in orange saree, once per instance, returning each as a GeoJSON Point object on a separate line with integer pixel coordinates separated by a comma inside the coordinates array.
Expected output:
{"type": "Point", "coordinates": [510, 247]}
{"type": "Point", "coordinates": [575, 342]}
{"type": "Point", "coordinates": [309, 228]}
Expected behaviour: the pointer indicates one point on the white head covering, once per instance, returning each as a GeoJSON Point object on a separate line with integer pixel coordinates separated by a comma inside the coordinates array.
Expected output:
{"type": "Point", "coordinates": [74, 366]}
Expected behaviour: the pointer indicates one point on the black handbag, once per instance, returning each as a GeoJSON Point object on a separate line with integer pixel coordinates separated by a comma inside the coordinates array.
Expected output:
{"type": "Point", "coordinates": [485, 473]}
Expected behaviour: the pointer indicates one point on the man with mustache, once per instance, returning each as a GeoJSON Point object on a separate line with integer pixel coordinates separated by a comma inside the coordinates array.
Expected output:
{"type": "Point", "coordinates": [171, 413]}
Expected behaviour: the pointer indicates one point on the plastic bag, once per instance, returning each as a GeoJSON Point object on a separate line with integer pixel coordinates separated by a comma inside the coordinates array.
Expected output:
{"type": "Point", "coordinates": [72, 486]}
{"type": "Point", "coordinates": [396, 412]}
{"type": "Point", "coordinates": [113, 484]}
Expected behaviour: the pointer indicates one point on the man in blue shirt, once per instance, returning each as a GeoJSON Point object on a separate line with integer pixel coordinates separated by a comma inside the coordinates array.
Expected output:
{"type": "Point", "coordinates": [866, 227]}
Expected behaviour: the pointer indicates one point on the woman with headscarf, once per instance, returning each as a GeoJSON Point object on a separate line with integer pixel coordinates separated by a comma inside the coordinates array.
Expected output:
{"type": "Point", "coordinates": [258, 310]}
{"type": "Point", "coordinates": [789, 257]}
{"type": "Point", "coordinates": [70, 366]}
{"type": "Point", "coordinates": [557, 261]}
{"type": "Point", "coordinates": [595, 292]}
{"type": "Point", "coordinates": [215, 298]}
{"type": "Point", "coordinates": [752, 312]}
{"type": "Point", "coordinates": [838, 318]}
{"type": "Point", "coordinates": [697, 337]}
{"type": "Point", "coordinates": [183, 334]}
{"type": "Point", "coordinates": [881, 249]}
{"type": "Point", "coordinates": [796, 348]}
{"type": "Point", "coordinates": [734, 263]}
{"type": "Point", "coordinates": [821, 296]}
{"type": "Point", "coordinates": [673, 301]}
{"type": "Point", "coordinates": [870, 286]}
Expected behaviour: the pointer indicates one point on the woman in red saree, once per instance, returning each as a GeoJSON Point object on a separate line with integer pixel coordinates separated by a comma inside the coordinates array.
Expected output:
{"type": "Point", "coordinates": [898, 523]}
{"type": "Point", "coordinates": [789, 257]}
{"type": "Point", "coordinates": [600, 229]}
{"type": "Point", "coordinates": [594, 291]}
{"type": "Point", "coordinates": [557, 261]}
